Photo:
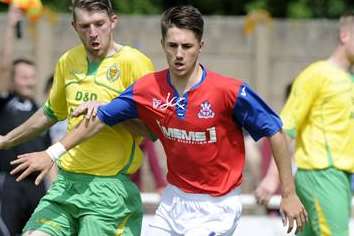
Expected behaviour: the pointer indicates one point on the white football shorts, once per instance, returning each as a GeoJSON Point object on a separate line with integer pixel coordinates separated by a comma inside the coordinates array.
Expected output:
{"type": "Point", "coordinates": [189, 214]}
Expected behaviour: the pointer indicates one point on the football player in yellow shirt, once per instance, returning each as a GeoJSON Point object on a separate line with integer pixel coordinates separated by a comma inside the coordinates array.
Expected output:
{"type": "Point", "coordinates": [92, 194]}
{"type": "Point", "coordinates": [319, 116]}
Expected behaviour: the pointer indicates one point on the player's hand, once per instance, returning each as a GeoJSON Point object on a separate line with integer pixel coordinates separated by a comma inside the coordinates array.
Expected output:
{"type": "Point", "coordinates": [266, 189]}
{"type": "Point", "coordinates": [292, 211]}
{"type": "Point", "coordinates": [89, 109]}
{"type": "Point", "coordinates": [31, 162]}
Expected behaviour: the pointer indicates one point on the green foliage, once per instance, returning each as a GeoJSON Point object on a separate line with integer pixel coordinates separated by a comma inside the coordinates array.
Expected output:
{"type": "Point", "coordinates": [299, 10]}
{"type": "Point", "coordinates": [255, 5]}
{"type": "Point", "coordinates": [302, 8]}
{"type": "Point", "coordinates": [277, 8]}
{"type": "Point", "coordinates": [58, 5]}
{"type": "Point", "coordinates": [137, 6]}
{"type": "Point", "coordinates": [121, 6]}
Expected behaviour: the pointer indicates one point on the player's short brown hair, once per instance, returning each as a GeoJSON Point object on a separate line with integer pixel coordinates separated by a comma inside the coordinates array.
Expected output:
{"type": "Point", "coordinates": [183, 17]}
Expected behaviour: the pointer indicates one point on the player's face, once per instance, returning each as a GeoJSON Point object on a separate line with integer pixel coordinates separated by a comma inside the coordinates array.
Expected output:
{"type": "Point", "coordinates": [182, 49]}
{"type": "Point", "coordinates": [24, 80]}
{"type": "Point", "coordinates": [95, 31]}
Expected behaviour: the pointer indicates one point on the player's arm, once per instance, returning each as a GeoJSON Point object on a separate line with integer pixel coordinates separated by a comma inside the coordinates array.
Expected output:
{"type": "Point", "coordinates": [31, 128]}
{"type": "Point", "coordinates": [44, 160]}
{"type": "Point", "coordinates": [134, 126]}
{"type": "Point", "coordinates": [120, 109]}
{"type": "Point", "coordinates": [138, 65]}
{"type": "Point", "coordinates": [253, 114]}
{"type": "Point", "coordinates": [294, 114]}
{"type": "Point", "coordinates": [270, 183]}
{"type": "Point", "coordinates": [290, 204]}
{"type": "Point", "coordinates": [85, 130]}
{"type": "Point", "coordinates": [6, 53]}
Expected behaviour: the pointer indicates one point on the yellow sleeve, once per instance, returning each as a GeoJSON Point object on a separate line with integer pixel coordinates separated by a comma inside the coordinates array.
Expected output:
{"type": "Point", "coordinates": [55, 106]}
{"type": "Point", "coordinates": [139, 65]}
{"type": "Point", "coordinates": [142, 67]}
{"type": "Point", "coordinates": [305, 89]}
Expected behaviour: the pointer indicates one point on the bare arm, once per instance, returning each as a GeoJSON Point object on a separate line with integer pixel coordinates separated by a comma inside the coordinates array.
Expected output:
{"type": "Point", "coordinates": [270, 183]}
{"type": "Point", "coordinates": [283, 163]}
{"type": "Point", "coordinates": [290, 204]}
{"type": "Point", "coordinates": [41, 161]}
{"type": "Point", "coordinates": [31, 128]}
{"type": "Point", "coordinates": [6, 53]}
{"type": "Point", "coordinates": [135, 126]}
{"type": "Point", "coordinates": [85, 130]}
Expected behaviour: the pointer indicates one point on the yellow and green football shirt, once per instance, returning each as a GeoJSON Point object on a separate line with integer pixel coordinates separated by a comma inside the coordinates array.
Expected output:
{"type": "Point", "coordinates": [319, 113]}
{"type": "Point", "coordinates": [113, 149]}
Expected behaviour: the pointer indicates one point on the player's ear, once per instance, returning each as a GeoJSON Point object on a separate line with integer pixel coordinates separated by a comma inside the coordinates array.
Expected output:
{"type": "Point", "coordinates": [114, 20]}
{"type": "Point", "coordinates": [201, 45]}
{"type": "Point", "coordinates": [73, 25]}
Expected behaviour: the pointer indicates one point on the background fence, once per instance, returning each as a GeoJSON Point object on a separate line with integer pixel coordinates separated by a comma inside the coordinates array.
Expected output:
{"type": "Point", "coordinates": [268, 57]}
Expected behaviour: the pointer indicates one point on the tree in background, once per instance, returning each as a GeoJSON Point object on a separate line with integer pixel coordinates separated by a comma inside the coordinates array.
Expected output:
{"type": "Point", "coordinates": [277, 8]}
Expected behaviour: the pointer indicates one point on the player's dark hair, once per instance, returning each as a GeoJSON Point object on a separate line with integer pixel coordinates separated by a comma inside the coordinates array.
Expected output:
{"type": "Point", "coordinates": [183, 17]}
{"type": "Point", "coordinates": [347, 17]}
{"type": "Point", "coordinates": [20, 61]}
{"type": "Point", "coordinates": [346, 21]}
{"type": "Point", "coordinates": [93, 5]}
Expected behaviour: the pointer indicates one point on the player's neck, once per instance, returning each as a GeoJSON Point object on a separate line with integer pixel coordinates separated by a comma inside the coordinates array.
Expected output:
{"type": "Point", "coordinates": [184, 83]}
{"type": "Point", "coordinates": [111, 50]}
{"type": "Point", "coordinates": [340, 59]}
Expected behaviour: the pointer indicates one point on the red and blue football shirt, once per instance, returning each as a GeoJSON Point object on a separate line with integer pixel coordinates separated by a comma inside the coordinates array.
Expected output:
{"type": "Point", "coordinates": [201, 130]}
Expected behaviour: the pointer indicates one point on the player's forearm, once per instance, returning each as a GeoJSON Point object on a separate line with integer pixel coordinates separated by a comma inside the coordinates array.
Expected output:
{"type": "Point", "coordinates": [31, 128]}
{"type": "Point", "coordinates": [82, 132]}
{"type": "Point", "coordinates": [283, 162]}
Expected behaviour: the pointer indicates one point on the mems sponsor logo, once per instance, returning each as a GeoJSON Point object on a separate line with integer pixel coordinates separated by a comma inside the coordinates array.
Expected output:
{"type": "Point", "coordinates": [191, 137]}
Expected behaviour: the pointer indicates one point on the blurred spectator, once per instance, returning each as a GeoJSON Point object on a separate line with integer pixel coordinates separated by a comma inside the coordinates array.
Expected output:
{"type": "Point", "coordinates": [17, 84]}
{"type": "Point", "coordinates": [151, 154]}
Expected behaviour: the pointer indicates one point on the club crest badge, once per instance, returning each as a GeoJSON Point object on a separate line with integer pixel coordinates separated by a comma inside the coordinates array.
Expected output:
{"type": "Point", "coordinates": [113, 73]}
{"type": "Point", "coordinates": [205, 111]}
